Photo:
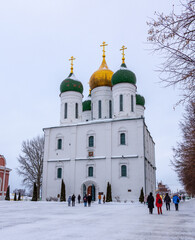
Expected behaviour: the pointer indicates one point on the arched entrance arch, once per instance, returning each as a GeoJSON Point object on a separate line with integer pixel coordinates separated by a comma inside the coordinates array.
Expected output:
{"type": "Point", "coordinates": [90, 187]}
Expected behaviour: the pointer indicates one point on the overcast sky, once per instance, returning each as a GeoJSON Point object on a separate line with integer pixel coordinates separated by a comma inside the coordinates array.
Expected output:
{"type": "Point", "coordinates": [39, 36]}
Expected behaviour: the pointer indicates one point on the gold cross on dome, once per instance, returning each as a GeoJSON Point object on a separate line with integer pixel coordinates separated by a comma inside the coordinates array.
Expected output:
{"type": "Point", "coordinates": [103, 45]}
{"type": "Point", "coordinates": [123, 53]}
{"type": "Point", "coordinates": [71, 59]}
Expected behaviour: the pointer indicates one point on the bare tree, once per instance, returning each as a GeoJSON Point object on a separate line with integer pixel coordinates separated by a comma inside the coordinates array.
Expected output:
{"type": "Point", "coordinates": [31, 162]}
{"type": "Point", "coordinates": [173, 36]}
{"type": "Point", "coordinates": [184, 153]}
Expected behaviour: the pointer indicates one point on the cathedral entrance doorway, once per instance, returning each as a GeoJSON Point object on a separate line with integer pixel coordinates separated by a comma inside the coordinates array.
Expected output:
{"type": "Point", "coordinates": [89, 188]}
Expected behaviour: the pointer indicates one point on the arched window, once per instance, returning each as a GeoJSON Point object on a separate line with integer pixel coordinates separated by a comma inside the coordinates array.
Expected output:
{"type": "Point", "coordinates": [90, 172]}
{"type": "Point", "coordinates": [76, 110]}
{"type": "Point", "coordinates": [123, 171]}
{"type": "Point", "coordinates": [121, 102]}
{"type": "Point", "coordinates": [59, 143]}
{"type": "Point", "coordinates": [59, 173]}
{"type": "Point", "coordinates": [122, 139]}
{"type": "Point", "coordinates": [91, 141]}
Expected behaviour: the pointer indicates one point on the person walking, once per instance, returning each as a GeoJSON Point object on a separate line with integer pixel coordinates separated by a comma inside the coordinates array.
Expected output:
{"type": "Point", "coordinates": [85, 200]}
{"type": "Point", "coordinates": [150, 202]}
{"type": "Point", "coordinates": [159, 203]}
{"type": "Point", "coordinates": [73, 200]}
{"type": "Point", "coordinates": [99, 198]}
{"type": "Point", "coordinates": [69, 200]}
{"type": "Point", "coordinates": [176, 201]}
{"type": "Point", "coordinates": [167, 200]}
{"type": "Point", "coordinates": [104, 199]}
{"type": "Point", "coordinates": [79, 198]}
{"type": "Point", "coordinates": [89, 198]}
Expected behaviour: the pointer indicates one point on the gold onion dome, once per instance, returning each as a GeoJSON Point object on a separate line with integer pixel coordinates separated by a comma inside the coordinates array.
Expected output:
{"type": "Point", "coordinates": [102, 77]}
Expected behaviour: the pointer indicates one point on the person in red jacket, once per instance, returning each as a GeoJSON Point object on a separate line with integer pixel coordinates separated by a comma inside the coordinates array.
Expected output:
{"type": "Point", "coordinates": [159, 203]}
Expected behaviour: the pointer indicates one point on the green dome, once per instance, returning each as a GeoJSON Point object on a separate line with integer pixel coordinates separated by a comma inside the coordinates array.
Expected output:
{"type": "Point", "coordinates": [140, 100]}
{"type": "Point", "coordinates": [87, 105]}
{"type": "Point", "coordinates": [123, 75]}
{"type": "Point", "coordinates": [71, 84]}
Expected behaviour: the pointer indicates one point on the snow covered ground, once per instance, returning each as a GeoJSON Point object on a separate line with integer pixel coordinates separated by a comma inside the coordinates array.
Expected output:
{"type": "Point", "coordinates": [113, 221]}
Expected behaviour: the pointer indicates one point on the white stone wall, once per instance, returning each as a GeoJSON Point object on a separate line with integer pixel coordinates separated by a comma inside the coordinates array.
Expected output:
{"type": "Point", "coordinates": [109, 155]}
{"type": "Point", "coordinates": [140, 111]}
{"type": "Point", "coordinates": [126, 89]}
{"type": "Point", "coordinates": [150, 166]}
{"type": "Point", "coordinates": [104, 94]}
{"type": "Point", "coordinates": [71, 98]}
{"type": "Point", "coordinates": [86, 116]}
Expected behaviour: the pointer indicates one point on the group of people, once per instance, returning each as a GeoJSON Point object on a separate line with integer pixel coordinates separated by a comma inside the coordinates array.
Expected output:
{"type": "Point", "coordinates": [73, 199]}
{"type": "Point", "coordinates": [159, 202]}
{"type": "Point", "coordinates": [86, 200]}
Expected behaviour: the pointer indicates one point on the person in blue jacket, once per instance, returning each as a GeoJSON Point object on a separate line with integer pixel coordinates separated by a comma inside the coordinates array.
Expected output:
{"type": "Point", "coordinates": [176, 201]}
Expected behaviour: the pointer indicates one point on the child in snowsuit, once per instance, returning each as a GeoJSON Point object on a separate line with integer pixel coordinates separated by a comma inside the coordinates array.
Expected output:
{"type": "Point", "coordinates": [167, 200]}
{"type": "Point", "coordinates": [159, 203]}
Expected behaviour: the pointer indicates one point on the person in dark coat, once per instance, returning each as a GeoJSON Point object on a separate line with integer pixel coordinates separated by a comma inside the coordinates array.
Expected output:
{"type": "Point", "coordinates": [89, 198]}
{"type": "Point", "coordinates": [104, 199]}
{"type": "Point", "coordinates": [69, 200]}
{"type": "Point", "coordinates": [167, 200]}
{"type": "Point", "coordinates": [73, 200]}
{"type": "Point", "coordinates": [150, 202]}
{"type": "Point", "coordinates": [79, 198]}
{"type": "Point", "coordinates": [159, 203]}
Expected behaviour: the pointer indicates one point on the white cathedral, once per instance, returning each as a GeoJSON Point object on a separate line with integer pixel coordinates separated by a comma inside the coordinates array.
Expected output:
{"type": "Point", "coordinates": [102, 139]}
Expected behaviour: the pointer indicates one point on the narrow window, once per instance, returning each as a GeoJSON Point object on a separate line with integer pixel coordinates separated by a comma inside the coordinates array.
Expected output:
{"type": "Point", "coordinates": [132, 104]}
{"type": "Point", "coordinates": [123, 171]}
{"type": "Point", "coordinates": [65, 110]}
{"type": "Point", "coordinates": [110, 109]}
{"type": "Point", "coordinates": [100, 108]}
{"type": "Point", "coordinates": [121, 102]}
{"type": "Point", "coordinates": [76, 110]}
{"type": "Point", "coordinates": [122, 138]}
{"type": "Point", "coordinates": [59, 173]}
{"type": "Point", "coordinates": [90, 172]}
{"type": "Point", "coordinates": [60, 143]}
{"type": "Point", "coordinates": [91, 141]}
{"type": "Point", "coordinates": [92, 111]}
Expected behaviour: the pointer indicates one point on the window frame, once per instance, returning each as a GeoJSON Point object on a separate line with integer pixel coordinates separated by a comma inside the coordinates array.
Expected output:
{"type": "Point", "coordinates": [76, 110]}
{"type": "Point", "coordinates": [99, 109]}
{"type": "Point", "coordinates": [121, 103]}
{"type": "Point", "coordinates": [59, 168]}
{"type": "Point", "coordinates": [122, 170]}
{"type": "Point", "coordinates": [59, 143]}
{"type": "Point", "coordinates": [90, 173]}
{"type": "Point", "coordinates": [122, 134]}
{"type": "Point", "coordinates": [110, 108]}
{"type": "Point", "coordinates": [132, 103]}
{"type": "Point", "coordinates": [65, 110]}
{"type": "Point", "coordinates": [89, 142]}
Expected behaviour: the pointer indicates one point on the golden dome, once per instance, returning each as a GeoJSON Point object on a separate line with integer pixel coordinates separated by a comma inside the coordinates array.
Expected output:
{"type": "Point", "coordinates": [102, 77]}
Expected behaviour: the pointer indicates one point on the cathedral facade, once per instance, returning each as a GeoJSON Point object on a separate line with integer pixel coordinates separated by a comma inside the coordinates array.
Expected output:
{"type": "Point", "coordinates": [102, 139]}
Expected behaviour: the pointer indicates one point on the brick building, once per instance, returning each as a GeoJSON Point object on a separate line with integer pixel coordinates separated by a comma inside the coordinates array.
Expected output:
{"type": "Point", "coordinates": [4, 177]}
